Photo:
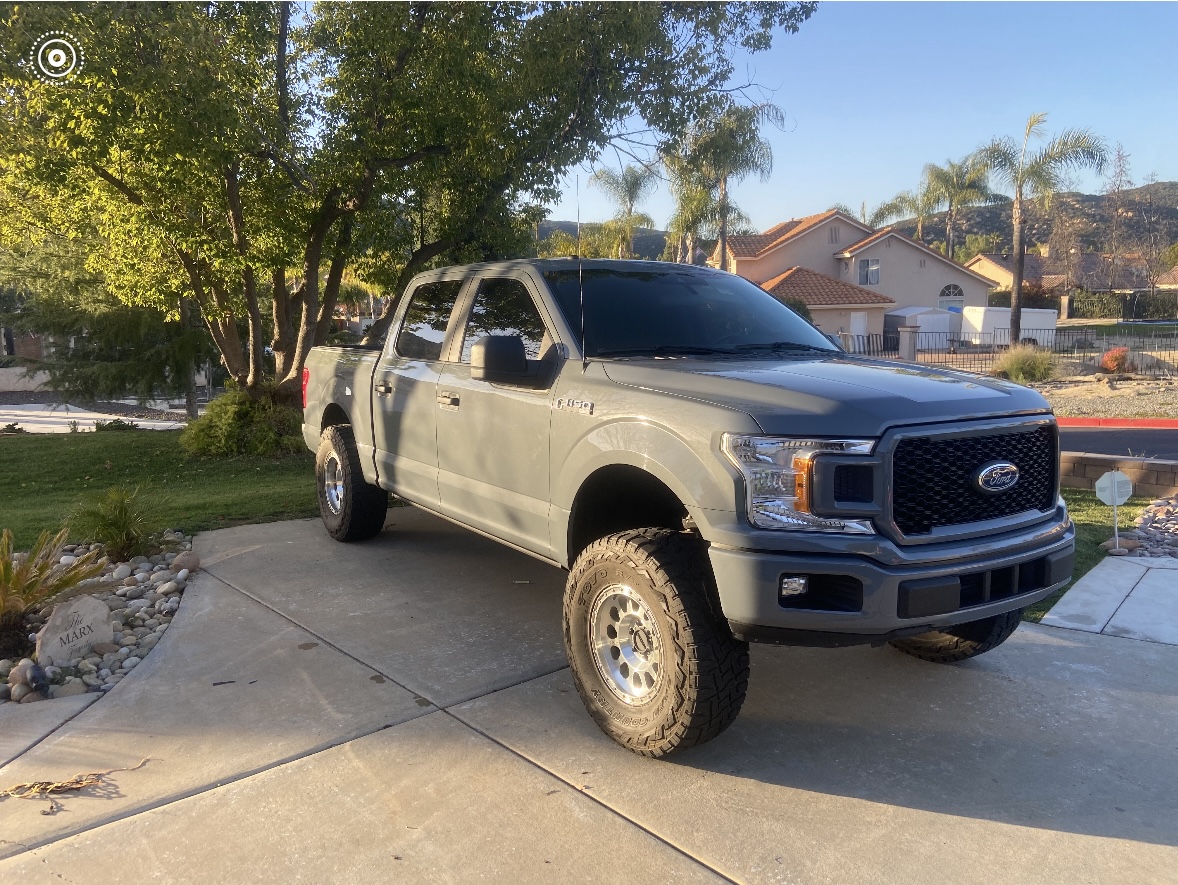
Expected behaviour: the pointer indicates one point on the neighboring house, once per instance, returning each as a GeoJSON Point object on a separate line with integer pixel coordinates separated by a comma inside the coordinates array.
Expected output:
{"type": "Point", "coordinates": [1168, 280]}
{"type": "Point", "coordinates": [834, 306]}
{"type": "Point", "coordinates": [13, 343]}
{"type": "Point", "coordinates": [846, 251]}
{"type": "Point", "coordinates": [1091, 271]}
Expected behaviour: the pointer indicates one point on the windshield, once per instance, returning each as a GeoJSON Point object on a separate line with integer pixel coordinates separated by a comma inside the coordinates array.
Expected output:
{"type": "Point", "coordinates": [678, 312]}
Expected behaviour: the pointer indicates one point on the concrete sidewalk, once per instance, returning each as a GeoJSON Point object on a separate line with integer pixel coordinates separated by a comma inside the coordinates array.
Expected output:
{"type": "Point", "coordinates": [1135, 597]}
{"type": "Point", "coordinates": [400, 711]}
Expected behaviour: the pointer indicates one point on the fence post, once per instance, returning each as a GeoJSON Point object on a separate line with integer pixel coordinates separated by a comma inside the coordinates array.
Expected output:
{"type": "Point", "coordinates": [908, 342]}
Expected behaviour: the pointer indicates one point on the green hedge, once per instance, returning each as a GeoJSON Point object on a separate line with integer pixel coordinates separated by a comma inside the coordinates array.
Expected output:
{"type": "Point", "coordinates": [1113, 305]}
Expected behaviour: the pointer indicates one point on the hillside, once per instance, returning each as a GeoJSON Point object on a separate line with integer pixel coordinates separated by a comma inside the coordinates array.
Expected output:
{"type": "Point", "coordinates": [1089, 213]}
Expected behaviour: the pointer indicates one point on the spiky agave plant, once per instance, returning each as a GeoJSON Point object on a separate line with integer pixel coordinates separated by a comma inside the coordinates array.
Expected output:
{"type": "Point", "coordinates": [29, 578]}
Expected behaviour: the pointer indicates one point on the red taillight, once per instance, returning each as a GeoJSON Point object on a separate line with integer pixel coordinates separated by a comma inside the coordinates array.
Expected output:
{"type": "Point", "coordinates": [306, 380]}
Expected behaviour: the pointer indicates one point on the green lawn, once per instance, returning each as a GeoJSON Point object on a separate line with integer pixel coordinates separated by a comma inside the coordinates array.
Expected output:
{"type": "Point", "coordinates": [43, 475]}
{"type": "Point", "coordinates": [1094, 526]}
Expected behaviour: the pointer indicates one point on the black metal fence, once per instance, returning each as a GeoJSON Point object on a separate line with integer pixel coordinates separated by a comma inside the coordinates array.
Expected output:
{"type": "Point", "coordinates": [1075, 351]}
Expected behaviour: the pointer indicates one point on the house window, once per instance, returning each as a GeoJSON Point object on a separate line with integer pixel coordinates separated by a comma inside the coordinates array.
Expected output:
{"type": "Point", "coordinates": [834, 233]}
{"type": "Point", "coordinates": [951, 298]}
{"type": "Point", "coordinates": [868, 271]}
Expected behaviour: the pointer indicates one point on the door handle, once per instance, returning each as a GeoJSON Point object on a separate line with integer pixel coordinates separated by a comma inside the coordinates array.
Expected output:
{"type": "Point", "coordinates": [448, 399]}
{"type": "Point", "coordinates": [383, 388]}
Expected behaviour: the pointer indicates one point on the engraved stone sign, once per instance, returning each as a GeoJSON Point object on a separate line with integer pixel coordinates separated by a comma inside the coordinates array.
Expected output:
{"type": "Point", "coordinates": [72, 629]}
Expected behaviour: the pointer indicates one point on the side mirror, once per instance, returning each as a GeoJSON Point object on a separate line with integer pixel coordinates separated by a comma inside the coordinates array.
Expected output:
{"type": "Point", "coordinates": [499, 359]}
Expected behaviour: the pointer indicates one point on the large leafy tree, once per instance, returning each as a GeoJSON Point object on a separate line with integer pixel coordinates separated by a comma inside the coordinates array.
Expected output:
{"type": "Point", "coordinates": [250, 156]}
{"type": "Point", "coordinates": [1032, 173]}
{"type": "Point", "coordinates": [627, 188]}
{"type": "Point", "coordinates": [956, 186]}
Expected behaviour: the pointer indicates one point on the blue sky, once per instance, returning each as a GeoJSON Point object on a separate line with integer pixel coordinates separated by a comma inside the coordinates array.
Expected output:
{"type": "Point", "coordinates": [873, 91]}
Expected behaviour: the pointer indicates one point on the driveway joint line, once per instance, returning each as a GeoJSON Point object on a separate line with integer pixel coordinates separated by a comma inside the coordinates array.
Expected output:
{"type": "Point", "coordinates": [600, 802]}
{"type": "Point", "coordinates": [1123, 601]}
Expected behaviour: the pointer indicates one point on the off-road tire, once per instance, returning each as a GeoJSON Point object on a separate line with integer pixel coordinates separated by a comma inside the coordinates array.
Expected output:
{"type": "Point", "coordinates": [701, 687]}
{"type": "Point", "coordinates": [962, 641]}
{"type": "Point", "coordinates": [360, 512]}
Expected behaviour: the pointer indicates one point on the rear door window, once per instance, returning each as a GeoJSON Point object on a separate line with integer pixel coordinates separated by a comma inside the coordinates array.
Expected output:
{"type": "Point", "coordinates": [504, 307]}
{"type": "Point", "coordinates": [424, 330]}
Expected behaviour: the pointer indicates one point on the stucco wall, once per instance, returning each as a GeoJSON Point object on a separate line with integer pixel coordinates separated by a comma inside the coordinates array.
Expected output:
{"type": "Point", "coordinates": [833, 320]}
{"type": "Point", "coordinates": [16, 379]}
{"type": "Point", "coordinates": [901, 277]}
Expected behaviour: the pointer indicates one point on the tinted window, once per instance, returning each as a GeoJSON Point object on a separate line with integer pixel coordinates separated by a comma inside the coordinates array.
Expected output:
{"type": "Point", "coordinates": [425, 321]}
{"type": "Point", "coordinates": [644, 311]}
{"type": "Point", "coordinates": [504, 307]}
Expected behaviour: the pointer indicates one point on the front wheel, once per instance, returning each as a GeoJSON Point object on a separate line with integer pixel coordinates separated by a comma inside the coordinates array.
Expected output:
{"type": "Point", "coordinates": [352, 510]}
{"type": "Point", "coordinates": [654, 663]}
{"type": "Point", "coordinates": [962, 641]}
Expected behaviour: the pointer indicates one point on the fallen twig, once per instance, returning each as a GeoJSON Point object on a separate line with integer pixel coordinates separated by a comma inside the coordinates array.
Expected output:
{"type": "Point", "coordinates": [46, 789]}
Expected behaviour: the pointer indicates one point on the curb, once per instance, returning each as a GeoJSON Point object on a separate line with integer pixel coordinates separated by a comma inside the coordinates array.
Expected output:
{"type": "Point", "coordinates": [1123, 423]}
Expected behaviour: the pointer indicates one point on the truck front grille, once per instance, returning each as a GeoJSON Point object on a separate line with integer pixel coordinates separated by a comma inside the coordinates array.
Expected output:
{"type": "Point", "coordinates": [933, 478]}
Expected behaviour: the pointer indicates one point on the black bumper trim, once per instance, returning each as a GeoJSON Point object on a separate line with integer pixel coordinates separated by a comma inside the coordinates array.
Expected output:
{"type": "Point", "coordinates": [819, 638]}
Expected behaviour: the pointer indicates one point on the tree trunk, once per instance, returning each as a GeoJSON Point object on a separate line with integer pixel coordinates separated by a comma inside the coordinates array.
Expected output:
{"type": "Point", "coordinates": [189, 370]}
{"type": "Point", "coordinates": [723, 245]}
{"type": "Point", "coordinates": [920, 228]}
{"type": "Point", "coordinates": [949, 222]}
{"type": "Point", "coordinates": [691, 248]}
{"type": "Point", "coordinates": [339, 259]}
{"type": "Point", "coordinates": [1016, 283]}
{"type": "Point", "coordinates": [283, 341]}
{"type": "Point", "coordinates": [681, 249]}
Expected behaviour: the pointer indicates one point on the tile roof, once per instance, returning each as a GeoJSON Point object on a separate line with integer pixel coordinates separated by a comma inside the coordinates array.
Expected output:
{"type": "Point", "coordinates": [752, 246]}
{"type": "Point", "coordinates": [1169, 278]}
{"type": "Point", "coordinates": [818, 290]}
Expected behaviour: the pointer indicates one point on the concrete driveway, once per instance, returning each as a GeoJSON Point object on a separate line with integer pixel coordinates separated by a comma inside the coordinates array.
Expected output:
{"type": "Point", "coordinates": [400, 711]}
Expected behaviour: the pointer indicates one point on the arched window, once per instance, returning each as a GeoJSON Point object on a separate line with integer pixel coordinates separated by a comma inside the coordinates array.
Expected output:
{"type": "Point", "coordinates": [951, 298]}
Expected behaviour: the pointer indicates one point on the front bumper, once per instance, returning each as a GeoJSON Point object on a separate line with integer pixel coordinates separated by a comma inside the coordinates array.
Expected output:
{"type": "Point", "coordinates": [897, 599]}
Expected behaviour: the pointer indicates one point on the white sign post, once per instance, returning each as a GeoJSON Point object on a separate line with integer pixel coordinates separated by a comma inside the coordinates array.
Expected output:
{"type": "Point", "coordinates": [1114, 489]}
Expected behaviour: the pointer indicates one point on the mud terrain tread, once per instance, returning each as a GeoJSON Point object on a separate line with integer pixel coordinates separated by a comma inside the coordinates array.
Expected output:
{"type": "Point", "coordinates": [365, 506]}
{"type": "Point", "coordinates": [712, 668]}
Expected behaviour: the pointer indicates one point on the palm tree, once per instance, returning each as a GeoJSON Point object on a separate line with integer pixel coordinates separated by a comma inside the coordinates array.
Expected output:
{"type": "Point", "coordinates": [1036, 175]}
{"type": "Point", "coordinates": [918, 204]}
{"type": "Point", "coordinates": [725, 148]}
{"type": "Point", "coordinates": [958, 186]}
{"type": "Point", "coordinates": [695, 205]}
{"type": "Point", "coordinates": [627, 189]}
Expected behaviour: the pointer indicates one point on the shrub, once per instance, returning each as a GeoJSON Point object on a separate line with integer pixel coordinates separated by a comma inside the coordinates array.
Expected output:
{"type": "Point", "coordinates": [1116, 359]}
{"type": "Point", "coordinates": [798, 306]}
{"type": "Point", "coordinates": [237, 424]}
{"type": "Point", "coordinates": [1025, 364]}
{"type": "Point", "coordinates": [122, 519]}
{"type": "Point", "coordinates": [12, 428]}
{"type": "Point", "coordinates": [115, 425]}
{"type": "Point", "coordinates": [26, 579]}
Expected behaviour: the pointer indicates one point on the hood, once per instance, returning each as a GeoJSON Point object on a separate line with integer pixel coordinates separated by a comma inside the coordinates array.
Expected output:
{"type": "Point", "coordinates": [831, 396]}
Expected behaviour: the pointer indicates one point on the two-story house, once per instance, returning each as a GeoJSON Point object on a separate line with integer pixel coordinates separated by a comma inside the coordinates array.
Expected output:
{"type": "Point", "coordinates": [873, 271]}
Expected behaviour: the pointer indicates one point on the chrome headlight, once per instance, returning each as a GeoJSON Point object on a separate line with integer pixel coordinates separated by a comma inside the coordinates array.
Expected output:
{"type": "Point", "coordinates": [779, 479]}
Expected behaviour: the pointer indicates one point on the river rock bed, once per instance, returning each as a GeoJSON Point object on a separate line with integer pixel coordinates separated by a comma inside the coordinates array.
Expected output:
{"type": "Point", "coordinates": [1155, 532]}
{"type": "Point", "coordinates": [143, 596]}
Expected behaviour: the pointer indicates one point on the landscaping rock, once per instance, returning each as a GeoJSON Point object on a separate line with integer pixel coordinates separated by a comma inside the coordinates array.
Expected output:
{"type": "Point", "coordinates": [68, 690]}
{"type": "Point", "coordinates": [73, 628]}
{"type": "Point", "coordinates": [186, 560]}
{"type": "Point", "coordinates": [17, 692]}
{"type": "Point", "coordinates": [104, 648]}
{"type": "Point", "coordinates": [34, 696]}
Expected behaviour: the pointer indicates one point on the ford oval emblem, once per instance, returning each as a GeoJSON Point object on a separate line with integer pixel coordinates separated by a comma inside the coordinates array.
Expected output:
{"type": "Point", "coordinates": [995, 477]}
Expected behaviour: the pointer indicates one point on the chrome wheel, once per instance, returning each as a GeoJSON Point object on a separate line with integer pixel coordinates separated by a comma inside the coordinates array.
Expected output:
{"type": "Point", "coordinates": [626, 642]}
{"type": "Point", "coordinates": [333, 483]}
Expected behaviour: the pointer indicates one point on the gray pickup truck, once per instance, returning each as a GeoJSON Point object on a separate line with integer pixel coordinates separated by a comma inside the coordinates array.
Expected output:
{"type": "Point", "coordinates": [709, 468]}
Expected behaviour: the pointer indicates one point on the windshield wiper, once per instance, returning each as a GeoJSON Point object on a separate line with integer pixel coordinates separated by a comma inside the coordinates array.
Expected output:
{"type": "Point", "coordinates": [666, 350]}
{"type": "Point", "coordinates": [786, 345]}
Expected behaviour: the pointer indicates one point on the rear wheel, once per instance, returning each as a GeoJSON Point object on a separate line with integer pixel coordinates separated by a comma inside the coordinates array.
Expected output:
{"type": "Point", "coordinates": [352, 510]}
{"type": "Point", "coordinates": [654, 663]}
{"type": "Point", "coordinates": [962, 641]}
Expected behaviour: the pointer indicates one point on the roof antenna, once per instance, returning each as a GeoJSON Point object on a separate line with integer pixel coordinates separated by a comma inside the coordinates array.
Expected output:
{"type": "Point", "coordinates": [581, 281]}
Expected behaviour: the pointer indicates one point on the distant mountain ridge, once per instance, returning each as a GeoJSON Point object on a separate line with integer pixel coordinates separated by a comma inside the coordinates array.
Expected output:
{"type": "Point", "coordinates": [1091, 212]}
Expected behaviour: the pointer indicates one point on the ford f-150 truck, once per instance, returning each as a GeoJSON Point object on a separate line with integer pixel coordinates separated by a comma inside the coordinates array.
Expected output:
{"type": "Point", "coordinates": [709, 467]}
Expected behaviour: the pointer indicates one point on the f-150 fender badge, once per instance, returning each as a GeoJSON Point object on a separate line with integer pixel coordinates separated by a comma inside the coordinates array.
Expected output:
{"type": "Point", "coordinates": [584, 406]}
